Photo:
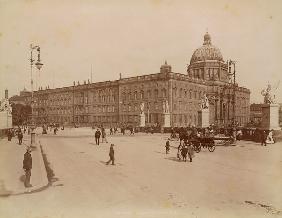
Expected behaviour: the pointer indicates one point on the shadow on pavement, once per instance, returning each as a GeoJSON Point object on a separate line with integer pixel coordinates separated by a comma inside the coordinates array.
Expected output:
{"type": "Point", "coordinates": [173, 159]}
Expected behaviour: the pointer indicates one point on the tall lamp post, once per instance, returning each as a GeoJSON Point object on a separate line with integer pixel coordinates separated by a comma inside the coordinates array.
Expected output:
{"type": "Point", "coordinates": [38, 65]}
{"type": "Point", "coordinates": [233, 74]}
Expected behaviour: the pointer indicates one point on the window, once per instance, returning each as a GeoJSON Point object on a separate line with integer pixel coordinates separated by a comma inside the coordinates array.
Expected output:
{"type": "Point", "coordinates": [175, 91]}
{"type": "Point", "coordinates": [156, 93]}
{"type": "Point", "coordinates": [135, 95]}
{"type": "Point", "coordinates": [163, 93]}
{"type": "Point", "coordinates": [156, 106]}
{"type": "Point", "coordinates": [149, 94]}
{"type": "Point", "coordinates": [142, 94]}
{"type": "Point", "coordinates": [129, 96]}
{"type": "Point", "coordinates": [180, 93]}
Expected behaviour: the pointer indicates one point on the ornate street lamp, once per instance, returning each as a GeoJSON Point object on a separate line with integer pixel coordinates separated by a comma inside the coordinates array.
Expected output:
{"type": "Point", "coordinates": [230, 75]}
{"type": "Point", "coordinates": [38, 65]}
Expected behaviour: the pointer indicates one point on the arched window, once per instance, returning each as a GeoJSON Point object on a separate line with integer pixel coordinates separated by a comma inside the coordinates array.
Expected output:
{"type": "Point", "coordinates": [163, 93]}
{"type": "Point", "coordinates": [135, 95]}
{"type": "Point", "coordinates": [142, 94]}
{"type": "Point", "coordinates": [149, 94]}
{"type": "Point", "coordinates": [174, 91]}
{"type": "Point", "coordinates": [156, 93]}
{"type": "Point", "coordinates": [129, 96]}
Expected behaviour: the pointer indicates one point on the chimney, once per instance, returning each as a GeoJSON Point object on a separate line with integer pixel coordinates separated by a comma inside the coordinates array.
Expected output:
{"type": "Point", "coordinates": [6, 93]}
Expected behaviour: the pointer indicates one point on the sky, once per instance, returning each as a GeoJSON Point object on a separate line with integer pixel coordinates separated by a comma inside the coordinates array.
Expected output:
{"type": "Point", "coordinates": [135, 38]}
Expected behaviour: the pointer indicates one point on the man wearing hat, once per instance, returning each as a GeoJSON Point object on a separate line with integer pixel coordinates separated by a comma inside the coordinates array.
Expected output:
{"type": "Point", "coordinates": [112, 155]}
{"type": "Point", "coordinates": [27, 166]}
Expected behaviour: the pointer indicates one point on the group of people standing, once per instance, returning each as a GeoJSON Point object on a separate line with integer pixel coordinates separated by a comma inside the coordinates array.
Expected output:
{"type": "Point", "coordinates": [183, 150]}
{"type": "Point", "coordinates": [98, 135]}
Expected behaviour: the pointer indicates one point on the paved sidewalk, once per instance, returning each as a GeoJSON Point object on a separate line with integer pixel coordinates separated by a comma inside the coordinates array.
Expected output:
{"type": "Point", "coordinates": [11, 167]}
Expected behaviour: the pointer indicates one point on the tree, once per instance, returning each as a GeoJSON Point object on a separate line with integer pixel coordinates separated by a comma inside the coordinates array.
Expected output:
{"type": "Point", "coordinates": [20, 113]}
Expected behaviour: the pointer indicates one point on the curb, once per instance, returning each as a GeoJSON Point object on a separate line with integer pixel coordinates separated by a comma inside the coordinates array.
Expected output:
{"type": "Point", "coordinates": [40, 187]}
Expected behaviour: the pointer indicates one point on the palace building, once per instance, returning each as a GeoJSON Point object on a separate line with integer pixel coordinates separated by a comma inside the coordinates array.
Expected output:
{"type": "Point", "coordinates": [114, 102]}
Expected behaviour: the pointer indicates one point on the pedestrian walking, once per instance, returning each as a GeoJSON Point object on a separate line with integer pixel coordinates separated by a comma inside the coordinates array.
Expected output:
{"type": "Point", "coordinates": [167, 146]}
{"type": "Point", "coordinates": [263, 138]}
{"type": "Point", "coordinates": [27, 166]}
{"type": "Point", "coordinates": [20, 137]}
{"type": "Point", "coordinates": [184, 152]}
{"type": "Point", "coordinates": [55, 130]}
{"type": "Point", "coordinates": [179, 150]}
{"type": "Point", "coordinates": [97, 136]}
{"type": "Point", "coordinates": [104, 138]}
{"type": "Point", "coordinates": [111, 131]}
{"type": "Point", "coordinates": [9, 134]}
{"type": "Point", "coordinates": [112, 155]}
{"type": "Point", "coordinates": [190, 151]}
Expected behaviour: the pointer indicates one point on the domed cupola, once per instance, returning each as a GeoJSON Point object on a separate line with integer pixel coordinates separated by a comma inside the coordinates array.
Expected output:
{"type": "Point", "coordinates": [165, 68]}
{"type": "Point", "coordinates": [206, 52]}
{"type": "Point", "coordinates": [207, 63]}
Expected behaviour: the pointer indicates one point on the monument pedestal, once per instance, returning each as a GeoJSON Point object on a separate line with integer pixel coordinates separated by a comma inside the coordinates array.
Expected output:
{"type": "Point", "coordinates": [203, 118]}
{"type": "Point", "coordinates": [270, 117]}
{"type": "Point", "coordinates": [166, 120]}
{"type": "Point", "coordinates": [5, 120]}
{"type": "Point", "coordinates": [142, 120]}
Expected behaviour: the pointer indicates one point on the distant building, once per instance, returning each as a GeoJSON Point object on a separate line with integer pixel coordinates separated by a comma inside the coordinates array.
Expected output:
{"type": "Point", "coordinates": [24, 98]}
{"type": "Point", "coordinates": [256, 114]}
{"type": "Point", "coordinates": [115, 102]}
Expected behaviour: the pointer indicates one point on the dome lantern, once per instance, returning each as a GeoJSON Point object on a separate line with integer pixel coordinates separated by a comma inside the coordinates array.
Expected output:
{"type": "Point", "coordinates": [207, 39]}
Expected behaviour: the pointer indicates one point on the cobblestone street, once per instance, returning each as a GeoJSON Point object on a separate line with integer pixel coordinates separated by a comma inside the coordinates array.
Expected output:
{"type": "Point", "coordinates": [146, 182]}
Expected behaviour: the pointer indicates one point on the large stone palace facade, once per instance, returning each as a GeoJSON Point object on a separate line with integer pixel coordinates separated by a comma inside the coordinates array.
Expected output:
{"type": "Point", "coordinates": [114, 102]}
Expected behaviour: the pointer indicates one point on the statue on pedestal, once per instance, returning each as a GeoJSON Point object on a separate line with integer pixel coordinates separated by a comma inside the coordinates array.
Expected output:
{"type": "Point", "coordinates": [269, 97]}
{"type": "Point", "coordinates": [204, 102]}
{"type": "Point", "coordinates": [6, 106]}
{"type": "Point", "coordinates": [165, 107]}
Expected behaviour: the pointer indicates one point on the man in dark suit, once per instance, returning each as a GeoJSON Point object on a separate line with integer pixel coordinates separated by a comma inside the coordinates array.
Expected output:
{"type": "Point", "coordinates": [27, 166]}
{"type": "Point", "coordinates": [263, 138]}
{"type": "Point", "coordinates": [97, 136]}
{"type": "Point", "coordinates": [112, 155]}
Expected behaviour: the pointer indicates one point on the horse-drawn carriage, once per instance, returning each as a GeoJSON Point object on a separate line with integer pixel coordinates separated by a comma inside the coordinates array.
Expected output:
{"type": "Point", "coordinates": [203, 142]}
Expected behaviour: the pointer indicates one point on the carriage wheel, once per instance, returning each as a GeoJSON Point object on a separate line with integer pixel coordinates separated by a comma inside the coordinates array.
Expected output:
{"type": "Point", "coordinates": [211, 147]}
